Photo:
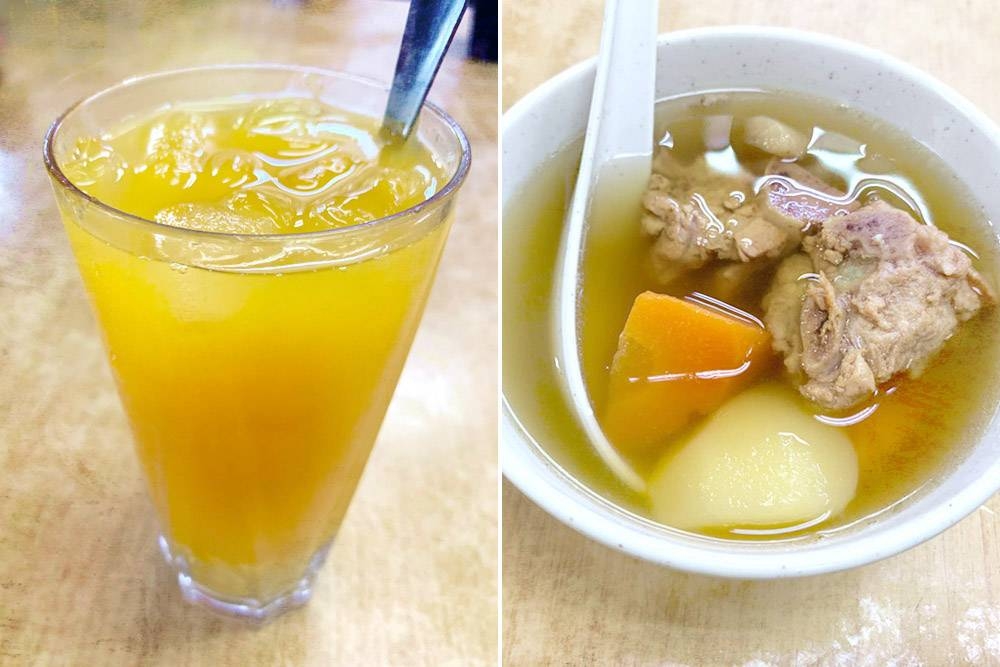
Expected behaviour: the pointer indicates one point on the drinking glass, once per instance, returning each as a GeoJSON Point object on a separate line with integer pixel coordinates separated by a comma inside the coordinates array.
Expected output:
{"type": "Point", "coordinates": [255, 370]}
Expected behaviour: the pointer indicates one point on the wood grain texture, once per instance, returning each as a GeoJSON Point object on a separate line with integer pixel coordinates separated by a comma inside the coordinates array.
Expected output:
{"type": "Point", "coordinates": [412, 577]}
{"type": "Point", "coordinates": [570, 601]}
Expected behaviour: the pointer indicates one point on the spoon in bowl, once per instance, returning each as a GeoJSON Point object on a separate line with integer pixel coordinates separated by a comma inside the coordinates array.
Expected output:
{"type": "Point", "coordinates": [617, 157]}
{"type": "Point", "coordinates": [430, 27]}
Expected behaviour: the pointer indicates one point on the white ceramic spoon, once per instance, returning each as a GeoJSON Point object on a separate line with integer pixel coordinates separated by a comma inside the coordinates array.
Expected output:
{"type": "Point", "coordinates": [618, 147]}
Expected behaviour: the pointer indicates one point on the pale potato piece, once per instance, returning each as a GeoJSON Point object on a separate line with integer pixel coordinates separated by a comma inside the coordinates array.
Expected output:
{"type": "Point", "coordinates": [760, 460]}
{"type": "Point", "coordinates": [716, 132]}
{"type": "Point", "coordinates": [774, 137]}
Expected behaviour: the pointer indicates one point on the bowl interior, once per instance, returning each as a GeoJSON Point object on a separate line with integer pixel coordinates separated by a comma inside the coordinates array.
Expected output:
{"type": "Point", "coordinates": [733, 58]}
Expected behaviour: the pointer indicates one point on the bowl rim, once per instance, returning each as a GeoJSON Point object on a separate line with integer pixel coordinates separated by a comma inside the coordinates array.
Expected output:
{"type": "Point", "coordinates": [577, 506]}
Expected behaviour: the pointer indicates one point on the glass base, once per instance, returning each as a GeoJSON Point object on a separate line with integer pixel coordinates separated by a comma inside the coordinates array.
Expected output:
{"type": "Point", "coordinates": [251, 609]}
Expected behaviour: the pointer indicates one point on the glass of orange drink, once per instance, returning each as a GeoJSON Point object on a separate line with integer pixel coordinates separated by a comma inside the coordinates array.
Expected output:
{"type": "Point", "coordinates": [258, 258]}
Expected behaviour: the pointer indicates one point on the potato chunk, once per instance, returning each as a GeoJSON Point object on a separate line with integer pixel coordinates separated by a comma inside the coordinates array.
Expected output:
{"type": "Point", "coordinates": [760, 460]}
{"type": "Point", "coordinates": [774, 137]}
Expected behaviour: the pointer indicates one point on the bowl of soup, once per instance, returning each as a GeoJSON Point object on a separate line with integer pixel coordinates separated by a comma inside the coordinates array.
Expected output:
{"type": "Point", "coordinates": [791, 340]}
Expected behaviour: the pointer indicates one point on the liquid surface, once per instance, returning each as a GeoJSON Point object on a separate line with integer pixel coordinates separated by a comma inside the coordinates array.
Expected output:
{"type": "Point", "coordinates": [254, 397]}
{"type": "Point", "coordinates": [262, 167]}
{"type": "Point", "coordinates": [903, 440]}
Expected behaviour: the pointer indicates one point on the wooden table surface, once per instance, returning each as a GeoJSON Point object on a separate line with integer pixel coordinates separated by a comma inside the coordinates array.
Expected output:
{"type": "Point", "coordinates": [412, 577]}
{"type": "Point", "coordinates": [570, 601]}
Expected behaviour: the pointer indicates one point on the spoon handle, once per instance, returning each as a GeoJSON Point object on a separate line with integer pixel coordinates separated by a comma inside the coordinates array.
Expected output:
{"type": "Point", "coordinates": [626, 70]}
{"type": "Point", "coordinates": [430, 26]}
{"type": "Point", "coordinates": [617, 156]}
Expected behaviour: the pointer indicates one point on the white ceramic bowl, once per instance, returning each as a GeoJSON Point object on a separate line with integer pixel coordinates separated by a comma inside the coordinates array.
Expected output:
{"type": "Point", "coordinates": [740, 57]}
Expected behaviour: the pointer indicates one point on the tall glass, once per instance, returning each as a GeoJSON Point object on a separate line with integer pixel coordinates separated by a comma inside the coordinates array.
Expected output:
{"type": "Point", "coordinates": [255, 370]}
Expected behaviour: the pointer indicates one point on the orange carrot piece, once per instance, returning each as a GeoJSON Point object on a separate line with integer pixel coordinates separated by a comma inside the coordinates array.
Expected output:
{"type": "Point", "coordinates": [677, 360]}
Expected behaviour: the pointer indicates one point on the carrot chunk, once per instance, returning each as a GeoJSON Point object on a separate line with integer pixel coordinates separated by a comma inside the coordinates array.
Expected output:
{"type": "Point", "coordinates": [677, 360]}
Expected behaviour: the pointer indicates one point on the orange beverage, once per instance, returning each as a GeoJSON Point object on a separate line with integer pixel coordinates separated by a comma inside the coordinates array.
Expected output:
{"type": "Point", "coordinates": [259, 262]}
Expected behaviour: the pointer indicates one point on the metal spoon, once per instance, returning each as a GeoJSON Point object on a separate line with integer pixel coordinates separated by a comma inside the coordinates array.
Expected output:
{"type": "Point", "coordinates": [430, 27]}
{"type": "Point", "coordinates": [617, 148]}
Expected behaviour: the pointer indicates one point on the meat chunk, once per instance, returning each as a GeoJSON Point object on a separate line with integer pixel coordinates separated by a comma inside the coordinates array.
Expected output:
{"type": "Point", "coordinates": [696, 214]}
{"type": "Point", "coordinates": [774, 137]}
{"type": "Point", "coordinates": [875, 294]}
{"type": "Point", "coordinates": [736, 282]}
{"type": "Point", "coordinates": [783, 308]}
{"type": "Point", "coordinates": [796, 199]}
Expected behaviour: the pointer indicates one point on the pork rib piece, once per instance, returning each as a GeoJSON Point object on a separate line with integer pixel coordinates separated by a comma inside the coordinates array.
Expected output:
{"type": "Point", "coordinates": [874, 293]}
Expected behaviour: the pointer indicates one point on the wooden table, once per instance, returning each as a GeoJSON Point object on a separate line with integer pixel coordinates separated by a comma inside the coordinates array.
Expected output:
{"type": "Point", "coordinates": [570, 601]}
{"type": "Point", "coordinates": [412, 577]}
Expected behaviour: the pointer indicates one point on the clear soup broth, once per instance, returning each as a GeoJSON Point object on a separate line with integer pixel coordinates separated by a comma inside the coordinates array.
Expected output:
{"type": "Point", "coordinates": [907, 435]}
